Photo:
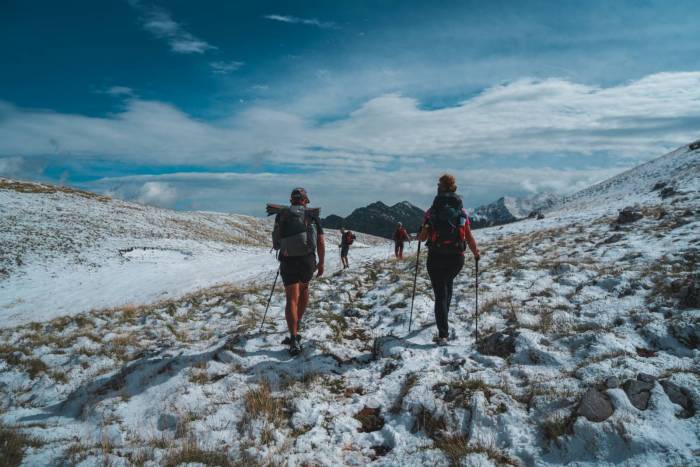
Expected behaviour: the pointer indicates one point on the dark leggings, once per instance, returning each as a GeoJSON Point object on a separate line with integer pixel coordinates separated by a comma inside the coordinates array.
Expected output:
{"type": "Point", "coordinates": [442, 270]}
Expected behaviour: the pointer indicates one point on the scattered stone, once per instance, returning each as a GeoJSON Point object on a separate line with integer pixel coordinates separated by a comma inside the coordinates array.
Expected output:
{"type": "Point", "coordinates": [638, 392]}
{"type": "Point", "coordinates": [351, 312]}
{"type": "Point", "coordinates": [608, 283]}
{"type": "Point", "coordinates": [690, 293]}
{"type": "Point", "coordinates": [614, 238]}
{"type": "Point", "coordinates": [667, 192]}
{"type": "Point", "coordinates": [168, 421]}
{"type": "Point", "coordinates": [646, 377]}
{"type": "Point", "coordinates": [628, 215]}
{"type": "Point", "coordinates": [687, 334]}
{"type": "Point", "coordinates": [659, 185]}
{"type": "Point", "coordinates": [680, 396]}
{"type": "Point", "coordinates": [370, 418]}
{"type": "Point", "coordinates": [595, 406]}
{"type": "Point", "coordinates": [612, 382]}
{"type": "Point", "coordinates": [498, 344]}
{"type": "Point", "coordinates": [540, 216]}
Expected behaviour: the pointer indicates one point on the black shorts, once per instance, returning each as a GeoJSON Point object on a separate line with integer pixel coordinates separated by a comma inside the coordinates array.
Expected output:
{"type": "Point", "coordinates": [297, 269]}
{"type": "Point", "coordinates": [344, 250]}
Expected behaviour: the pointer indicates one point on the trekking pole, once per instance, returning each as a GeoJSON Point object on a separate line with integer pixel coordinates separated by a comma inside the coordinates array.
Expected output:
{"type": "Point", "coordinates": [413, 297]}
{"type": "Point", "coordinates": [269, 299]}
{"type": "Point", "coordinates": [476, 307]}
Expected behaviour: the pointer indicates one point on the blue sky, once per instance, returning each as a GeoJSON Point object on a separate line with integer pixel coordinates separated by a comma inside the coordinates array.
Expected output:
{"type": "Point", "coordinates": [226, 105]}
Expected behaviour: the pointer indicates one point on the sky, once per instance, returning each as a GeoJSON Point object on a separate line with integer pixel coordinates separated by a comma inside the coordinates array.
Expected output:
{"type": "Point", "coordinates": [224, 106]}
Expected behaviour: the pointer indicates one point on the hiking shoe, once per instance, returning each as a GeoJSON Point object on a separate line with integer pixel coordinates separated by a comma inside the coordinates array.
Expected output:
{"type": "Point", "coordinates": [294, 348]}
{"type": "Point", "coordinates": [287, 339]}
{"type": "Point", "coordinates": [442, 341]}
{"type": "Point", "coordinates": [299, 342]}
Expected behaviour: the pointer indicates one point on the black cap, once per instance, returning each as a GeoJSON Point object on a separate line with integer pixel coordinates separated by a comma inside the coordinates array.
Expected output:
{"type": "Point", "coordinates": [300, 194]}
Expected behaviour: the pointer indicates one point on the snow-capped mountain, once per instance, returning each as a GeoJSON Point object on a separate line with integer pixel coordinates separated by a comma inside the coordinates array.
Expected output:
{"type": "Point", "coordinates": [588, 350]}
{"type": "Point", "coordinates": [510, 209]}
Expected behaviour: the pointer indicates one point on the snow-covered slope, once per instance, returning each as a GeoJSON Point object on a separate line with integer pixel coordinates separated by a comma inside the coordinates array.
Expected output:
{"type": "Point", "coordinates": [679, 169]}
{"type": "Point", "coordinates": [588, 355]}
{"type": "Point", "coordinates": [510, 209]}
{"type": "Point", "coordinates": [65, 251]}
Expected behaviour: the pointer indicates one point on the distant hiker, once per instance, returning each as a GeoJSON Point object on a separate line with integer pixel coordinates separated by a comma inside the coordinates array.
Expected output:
{"type": "Point", "coordinates": [446, 229]}
{"type": "Point", "coordinates": [400, 236]}
{"type": "Point", "coordinates": [346, 239]}
{"type": "Point", "coordinates": [298, 236]}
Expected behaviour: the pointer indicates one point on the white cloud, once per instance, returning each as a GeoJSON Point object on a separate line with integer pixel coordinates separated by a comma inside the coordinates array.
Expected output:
{"type": "Point", "coordinates": [160, 24]}
{"type": "Point", "coordinates": [306, 21]}
{"type": "Point", "coordinates": [120, 91]}
{"type": "Point", "coordinates": [392, 138]}
{"type": "Point", "coordinates": [224, 68]}
{"type": "Point", "coordinates": [157, 194]}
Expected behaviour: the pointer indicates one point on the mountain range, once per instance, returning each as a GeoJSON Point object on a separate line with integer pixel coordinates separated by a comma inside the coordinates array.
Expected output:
{"type": "Point", "coordinates": [380, 219]}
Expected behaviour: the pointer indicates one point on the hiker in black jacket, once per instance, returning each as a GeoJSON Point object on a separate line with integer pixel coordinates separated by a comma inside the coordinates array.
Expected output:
{"type": "Point", "coordinates": [446, 229]}
{"type": "Point", "coordinates": [298, 236]}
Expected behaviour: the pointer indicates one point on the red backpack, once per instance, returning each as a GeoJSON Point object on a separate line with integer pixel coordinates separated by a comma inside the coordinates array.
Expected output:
{"type": "Point", "coordinates": [349, 238]}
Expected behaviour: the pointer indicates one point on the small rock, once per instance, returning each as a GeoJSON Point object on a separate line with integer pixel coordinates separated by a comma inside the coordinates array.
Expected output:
{"type": "Point", "coordinates": [646, 377]}
{"type": "Point", "coordinates": [679, 395]}
{"type": "Point", "coordinates": [595, 406]}
{"type": "Point", "coordinates": [629, 214]}
{"type": "Point", "coordinates": [659, 185]}
{"type": "Point", "coordinates": [687, 334]}
{"type": "Point", "coordinates": [612, 382]}
{"type": "Point", "coordinates": [614, 238]}
{"type": "Point", "coordinates": [668, 192]}
{"type": "Point", "coordinates": [638, 392]}
{"type": "Point", "coordinates": [168, 421]}
{"type": "Point", "coordinates": [690, 293]}
{"type": "Point", "coordinates": [540, 216]}
{"type": "Point", "coordinates": [498, 344]}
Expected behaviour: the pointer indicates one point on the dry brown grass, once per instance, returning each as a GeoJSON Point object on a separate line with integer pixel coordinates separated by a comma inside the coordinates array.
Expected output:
{"type": "Point", "coordinates": [456, 447]}
{"type": "Point", "coordinates": [26, 187]}
{"type": "Point", "coordinates": [190, 452]}
{"type": "Point", "coordinates": [260, 403]}
{"type": "Point", "coordinates": [13, 444]}
{"type": "Point", "coordinates": [408, 383]}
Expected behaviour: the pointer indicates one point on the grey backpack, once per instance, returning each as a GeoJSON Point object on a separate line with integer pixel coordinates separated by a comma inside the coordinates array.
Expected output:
{"type": "Point", "coordinates": [295, 232]}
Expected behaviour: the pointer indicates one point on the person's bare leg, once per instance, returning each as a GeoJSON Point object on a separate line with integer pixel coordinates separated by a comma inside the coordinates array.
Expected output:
{"type": "Point", "coordinates": [291, 311]}
{"type": "Point", "coordinates": [303, 301]}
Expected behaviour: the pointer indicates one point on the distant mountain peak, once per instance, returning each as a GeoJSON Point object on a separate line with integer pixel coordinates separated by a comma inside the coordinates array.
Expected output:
{"type": "Point", "coordinates": [379, 219]}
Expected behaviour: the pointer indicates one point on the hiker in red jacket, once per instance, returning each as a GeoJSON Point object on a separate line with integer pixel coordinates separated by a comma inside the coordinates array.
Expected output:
{"type": "Point", "coordinates": [400, 236]}
{"type": "Point", "coordinates": [446, 229]}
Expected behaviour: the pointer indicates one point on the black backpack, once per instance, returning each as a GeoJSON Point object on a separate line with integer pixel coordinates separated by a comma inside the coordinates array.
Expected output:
{"type": "Point", "coordinates": [447, 225]}
{"type": "Point", "coordinates": [295, 232]}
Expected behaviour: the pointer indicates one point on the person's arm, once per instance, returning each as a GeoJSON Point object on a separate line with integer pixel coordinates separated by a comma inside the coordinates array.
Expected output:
{"type": "Point", "coordinates": [423, 232]}
{"type": "Point", "coordinates": [321, 250]}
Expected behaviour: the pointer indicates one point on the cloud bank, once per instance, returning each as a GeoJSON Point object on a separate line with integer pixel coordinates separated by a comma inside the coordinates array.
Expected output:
{"type": "Point", "coordinates": [388, 137]}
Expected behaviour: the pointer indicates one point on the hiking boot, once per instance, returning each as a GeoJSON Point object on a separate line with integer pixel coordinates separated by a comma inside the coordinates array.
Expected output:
{"type": "Point", "coordinates": [287, 340]}
{"type": "Point", "coordinates": [295, 348]}
{"type": "Point", "coordinates": [442, 341]}
{"type": "Point", "coordinates": [301, 347]}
